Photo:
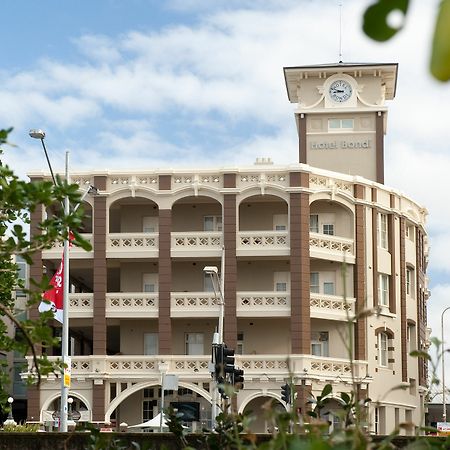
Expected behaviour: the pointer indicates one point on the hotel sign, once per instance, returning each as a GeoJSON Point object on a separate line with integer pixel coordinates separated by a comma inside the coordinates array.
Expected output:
{"type": "Point", "coordinates": [343, 144]}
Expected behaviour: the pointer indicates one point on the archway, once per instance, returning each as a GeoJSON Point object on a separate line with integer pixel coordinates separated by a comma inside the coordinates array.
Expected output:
{"type": "Point", "coordinates": [263, 409]}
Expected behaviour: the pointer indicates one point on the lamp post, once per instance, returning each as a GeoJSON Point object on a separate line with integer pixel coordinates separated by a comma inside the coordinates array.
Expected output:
{"type": "Point", "coordinates": [65, 382]}
{"type": "Point", "coordinates": [444, 406]}
{"type": "Point", "coordinates": [10, 420]}
{"type": "Point", "coordinates": [219, 288]}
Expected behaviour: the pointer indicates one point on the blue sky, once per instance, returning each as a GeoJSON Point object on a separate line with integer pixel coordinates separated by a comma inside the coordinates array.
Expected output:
{"type": "Point", "coordinates": [145, 83]}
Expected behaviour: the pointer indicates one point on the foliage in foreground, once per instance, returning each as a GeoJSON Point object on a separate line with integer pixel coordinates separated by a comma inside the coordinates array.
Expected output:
{"type": "Point", "coordinates": [17, 199]}
{"type": "Point", "coordinates": [377, 26]}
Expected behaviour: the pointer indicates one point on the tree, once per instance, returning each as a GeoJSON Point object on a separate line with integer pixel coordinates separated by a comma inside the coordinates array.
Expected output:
{"type": "Point", "coordinates": [17, 199]}
{"type": "Point", "coordinates": [376, 25]}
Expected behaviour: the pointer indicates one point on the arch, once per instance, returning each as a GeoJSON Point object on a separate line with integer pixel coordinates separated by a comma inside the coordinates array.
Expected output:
{"type": "Point", "coordinates": [145, 384]}
{"type": "Point", "coordinates": [253, 191]}
{"type": "Point", "coordinates": [187, 191]}
{"type": "Point", "coordinates": [390, 334]}
{"type": "Point", "coordinates": [149, 194]}
{"type": "Point", "coordinates": [57, 395]}
{"type": "Point", "coordinates": [340, 199]}
{"type": "Point", "coordinates": [256, 395]}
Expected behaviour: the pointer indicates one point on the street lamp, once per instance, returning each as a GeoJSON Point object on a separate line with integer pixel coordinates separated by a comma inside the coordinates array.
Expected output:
{"type": "Point", "coordinates": [10, 420]}
{"type": "Point", "coordinates": [65, 383]}
{"type": "Point", "coordinates": [444, 406]}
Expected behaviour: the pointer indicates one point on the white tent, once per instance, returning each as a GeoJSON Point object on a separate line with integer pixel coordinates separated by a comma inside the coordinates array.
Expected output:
{"type": "Point", "coordinates": [152, 423]}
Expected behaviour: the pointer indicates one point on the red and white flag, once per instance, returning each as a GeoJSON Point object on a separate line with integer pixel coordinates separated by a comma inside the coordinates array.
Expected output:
{"type": "Point", "coordinates": [53, 299]}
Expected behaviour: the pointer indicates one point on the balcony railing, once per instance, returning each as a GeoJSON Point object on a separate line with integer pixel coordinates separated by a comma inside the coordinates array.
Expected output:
{"type": "Point", "coordinates": [331, 247]}
{"type": "Point", "coordinates": [331, 306]}
{"type": "Point", "coordinates": [251, 242]}
{"type": "Point", "coordinates": [265, 304]}
{"type": "Point", "coordinates": [81, 305]}
{"type": "Point", "coordinates": [132, 304]}
{"type": "Point", "coordinates": [75, 252]}
{"type": "Point", "coordinates": [189, 304]}
{"type": "Point", "coordinates": [195, 367]}
{"type": "Point", "coordinates": [132, 243]}
{"type": "Point", "coordinates": [206, 242]}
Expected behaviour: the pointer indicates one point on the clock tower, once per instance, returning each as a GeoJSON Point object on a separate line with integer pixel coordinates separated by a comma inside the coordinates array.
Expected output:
{"type": "Point", "coordinates": [341, 115]}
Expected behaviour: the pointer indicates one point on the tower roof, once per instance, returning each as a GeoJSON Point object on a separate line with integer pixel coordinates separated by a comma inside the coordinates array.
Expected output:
{"type": "Point", "coordinates": [387, 71]}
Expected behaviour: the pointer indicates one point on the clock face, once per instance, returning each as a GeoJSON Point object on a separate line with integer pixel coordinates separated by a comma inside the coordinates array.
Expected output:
{"type": "Point", "coordinates": [340, 91]}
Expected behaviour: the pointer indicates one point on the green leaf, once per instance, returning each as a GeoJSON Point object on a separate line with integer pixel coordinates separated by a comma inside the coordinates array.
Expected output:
{"type": "Point", "coordinates": [440, 53]}
{"type": "Point", "coordinates": [326, 390]}
{"type": "Point", "coordinates": [420, 354]}
{"type": "Point", "coordinates": [375, 21]}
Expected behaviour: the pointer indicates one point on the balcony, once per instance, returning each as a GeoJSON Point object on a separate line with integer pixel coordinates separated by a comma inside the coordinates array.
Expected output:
{"type": "Point", "coordinates": [132, 245]}
{"type": "Point", "coordinates": [193, 304]}
{"type": "Point", "coordinates": [119, 305]}
{"type": "Point", "coordinates": [333, 248]}
{"type": "Point", "coordinates": [333, 307]}
{"type": "Point", "coordinates": [75, 252]}
{"type": "Point", "coordinates": [266, 243]}
{"type": "Point", "coordinates": [263, 304]}
{"type": "Point", "coordinates": [203, 243]}
{"type": "Point", "coordinates": [256, 367]}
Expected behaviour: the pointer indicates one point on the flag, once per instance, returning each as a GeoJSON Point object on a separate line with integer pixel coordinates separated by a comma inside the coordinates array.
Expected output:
{"type": "Point", "coordinates": [53, 299]}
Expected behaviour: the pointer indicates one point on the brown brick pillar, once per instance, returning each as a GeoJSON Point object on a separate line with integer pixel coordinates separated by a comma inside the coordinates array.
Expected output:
{"type": "Point", "coordinates": [393, 278]}
{"type": "Point", "coordinates": [421, 304]}
{"type": "Point", "coordinates": [229, 242]}
{"type": "Point", "coordinates": [100, 270]}
{"type": "Point", "coordinates": [33, 403]}
{"type": "Point", "coordinates": [379, 137]}
{"type": "Point", "coordinates": [300, 266]}
{"type": "Point", "coordinates": [359, 277]}
{"type": "Point", "coordinates": [403, 321]}
{"type": "Point", "coordinates": [100, 285]}
{"type": "Point", "coordinates": [303, 396]}
{"type": "Point", "coordinates": [374, 249]}
{"type": "Point", "coordinates": [302, 150]}
{"type": "Point", "coordinates": [165, 282]}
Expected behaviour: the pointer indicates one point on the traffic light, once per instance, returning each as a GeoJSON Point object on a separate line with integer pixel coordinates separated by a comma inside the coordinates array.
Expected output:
{"type": "Point", "coordinates": [228, 360]}
{"type": "Point", "coordinates": [218, 361]}
{"type": "Point", "coordinates": [238, 378]}
{"type": "Point", "coordinates": [286, 393]}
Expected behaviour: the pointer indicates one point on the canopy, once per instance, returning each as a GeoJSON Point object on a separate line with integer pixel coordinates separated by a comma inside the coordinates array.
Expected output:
{"type": "Point", "coordinates": [152, 423]}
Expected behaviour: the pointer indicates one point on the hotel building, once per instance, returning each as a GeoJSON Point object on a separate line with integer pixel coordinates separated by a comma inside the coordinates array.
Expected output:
{"type": "Point", "coordinates": [307, 248]}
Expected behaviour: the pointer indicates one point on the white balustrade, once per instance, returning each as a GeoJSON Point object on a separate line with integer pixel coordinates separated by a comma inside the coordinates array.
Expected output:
{"type": "Point", "coordinates": [333, 304]}
{"type": "Point", "coordinates": [132, 304]}
{"type": "Point", "coordinates": [196, 240]}
{"type": "Point", "coordinates": [328, 244]}
{"type": "Point", "coordinates": [194, 366]}
{"type": "Point", "coordinates": [263, 240]}
{"type": "Point", "coordinates": [74, 251]}
{"type": "Point", "coordinates": [198, 304]}
{"type": "Point", "coordinates": [324, 182]}
{"type": "Point", "coordinates": [81, 305]}
{"type": "Point", "coordinates": [134, 242]}
{"type": "Point", "coordinates": [115, 182]}
{"type": "Point", "coordinates": [266, 304]}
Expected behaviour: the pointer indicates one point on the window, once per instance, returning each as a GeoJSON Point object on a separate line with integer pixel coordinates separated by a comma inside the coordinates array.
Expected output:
{"type": "Point", "coordinates": [383, 349]}
{"type": "Point", "coordinates": [340, 124]}
{"type": "Point", "coordinates": [314, 223]}
{"type": "Point", "coordinates": [150, 343]}
{"type": "Point", "coordinates": [382, 231]}
{"type": "Point", "coordinates": [412, 386]}
{"type": "Point", "coordinates": [208, 285]}
{"type": "Point", "coordinates": [383, 289]}
{"type": "Point", "coordinates": [380, 420]}
{"type": "Point", "coordinates": [194, 343]}
{"type": "Point", "coordinates": [411, 336]}
{"type": "Point", "coordinates": [410, 281]}
{"type": "Point", "coordinates": [147, 409]}
{"type": "Point", "coordinates": [409, 232]}
{"type": "Point", "coordinates": [328, 228]}
{"type": "Point", "coordinates": [281, 281]}
{"type": "Point", "coordinates": [314, 282]}
{"type": "Point", "coordinates": [319, 343]}
{"type": "Point", "coordinates": [149, 282]}
{"type": "Point", "coordinates": [240, 344]}
{"type": "Point", "coordinates": [212, 223]}
{"type": "Point", "coordinates": [328, 288]}
{"type": "Point", "coordinates": [149, 224]}
{"type": "Point", "coordinates": [280, 222]}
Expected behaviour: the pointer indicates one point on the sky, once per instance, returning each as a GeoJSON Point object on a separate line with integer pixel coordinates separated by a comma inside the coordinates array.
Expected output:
{"type": "Point", "coordinates": [189, 83]}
